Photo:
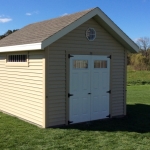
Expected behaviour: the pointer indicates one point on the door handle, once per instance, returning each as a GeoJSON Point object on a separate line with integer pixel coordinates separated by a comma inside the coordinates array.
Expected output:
{"type": "Point", "coordinates": [89, 93]}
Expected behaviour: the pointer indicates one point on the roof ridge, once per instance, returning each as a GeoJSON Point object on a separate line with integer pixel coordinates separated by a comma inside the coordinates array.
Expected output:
{"type": "Point", "coordinates": [88, 10]}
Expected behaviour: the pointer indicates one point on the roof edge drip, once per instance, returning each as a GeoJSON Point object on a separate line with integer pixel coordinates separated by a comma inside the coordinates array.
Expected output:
{"type": "Point", "coordinates": [15, 48]}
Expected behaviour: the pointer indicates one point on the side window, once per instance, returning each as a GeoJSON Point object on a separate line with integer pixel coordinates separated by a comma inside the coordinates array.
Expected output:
{"type": "Point", "coordinates": [17, 58]}
{"type": "Point", "coordinates": [14, 59]}
{"type": "Point", "coordinates": [100, 64]}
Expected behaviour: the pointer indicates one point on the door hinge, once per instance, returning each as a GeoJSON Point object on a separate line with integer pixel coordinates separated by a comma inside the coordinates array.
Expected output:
{"type": "Point", "coordinates": [70, 94]}
{"type": "Point", "coordinates": [70, 56]}
{"type": "Point", "coordinates": [108, 116]}
{"type": "Point", "coordinates": [109, 56]}
{"type": "Point", "coordinates": [69, 122]}
{"type": "Point", "coordinates": [109, 92]}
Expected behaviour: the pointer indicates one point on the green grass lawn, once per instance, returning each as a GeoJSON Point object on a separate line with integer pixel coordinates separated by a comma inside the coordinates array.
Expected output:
{"type": "Point", "coordinates": [129, 133]}
{"type": "Point", "coordinates": [138, 77]}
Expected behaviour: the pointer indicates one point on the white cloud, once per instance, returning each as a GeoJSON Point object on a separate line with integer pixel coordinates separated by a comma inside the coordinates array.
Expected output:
{"type": "Point", "coordinates": [65, 14]}
{"type": "Point", "coordinates": [4, 20]}
{"type": "Point", "coordinates": [28, 14]}
{"type": "Point", "coordinates": [32, 13]}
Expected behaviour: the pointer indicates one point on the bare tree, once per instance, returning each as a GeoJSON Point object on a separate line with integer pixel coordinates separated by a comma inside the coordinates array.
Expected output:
{"type": "Point", "coordinates": [144, 45]}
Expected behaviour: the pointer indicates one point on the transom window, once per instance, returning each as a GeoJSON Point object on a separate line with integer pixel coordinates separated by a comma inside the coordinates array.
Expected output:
{"type": "Point", "coordinates": [17, 58]}
{"type": "Point", "coordinates": [91, 34]}
{"type": "Point", "coordinates": [100, 64]}
{"type": "Point", "coordinates": [80, 64]}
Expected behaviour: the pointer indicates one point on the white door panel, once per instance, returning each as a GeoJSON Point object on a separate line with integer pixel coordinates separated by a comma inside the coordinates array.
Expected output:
{"type": "Point", "coordinates": [79, 87]}
{"type": "Point", "coordinates": [89, 83]}
{"type": "Point", "coordinates": [99, 87]}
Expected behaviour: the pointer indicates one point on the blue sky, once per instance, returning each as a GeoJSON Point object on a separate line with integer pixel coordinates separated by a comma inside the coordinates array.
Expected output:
{"type": "Point", "coordinates": [132, 16]}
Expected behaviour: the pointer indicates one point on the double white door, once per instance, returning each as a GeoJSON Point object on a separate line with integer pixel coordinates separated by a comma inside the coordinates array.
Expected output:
{"type": "Point", "coordinates": [89, 86]}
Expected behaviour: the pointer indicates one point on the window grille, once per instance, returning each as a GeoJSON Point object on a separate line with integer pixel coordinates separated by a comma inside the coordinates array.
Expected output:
{"type": "Point", "coordinates": [100, 64]}
{"type": "Point", "coordinates": [17, 58]}
{"type": "Point", "coordinates": [80, 64]}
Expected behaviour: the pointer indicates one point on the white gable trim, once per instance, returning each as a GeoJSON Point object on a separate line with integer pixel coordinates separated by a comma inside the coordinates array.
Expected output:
{"type": "Point", "coordinates": [15, 48]}
{"type": "Point", "coordinates": [126, 41]}
{"type": "Point", "coordinates": [117, 32]}
{"type": "Point", "coordinates": [69, 28]}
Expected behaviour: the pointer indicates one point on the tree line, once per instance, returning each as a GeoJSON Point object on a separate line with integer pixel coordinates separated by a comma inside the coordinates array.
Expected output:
{"type": "Point", "coordinates": [141, 60]}
{"type": "Point", "coordinates": [7, 33]}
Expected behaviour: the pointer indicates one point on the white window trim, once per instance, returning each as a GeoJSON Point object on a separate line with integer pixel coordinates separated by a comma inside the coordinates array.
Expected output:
{"type": "Point", "coordinates": [17, 64]}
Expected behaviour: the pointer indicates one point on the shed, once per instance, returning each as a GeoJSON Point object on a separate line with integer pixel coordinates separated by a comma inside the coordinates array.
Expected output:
{"type": "Point", "coordinates": [66, 70]}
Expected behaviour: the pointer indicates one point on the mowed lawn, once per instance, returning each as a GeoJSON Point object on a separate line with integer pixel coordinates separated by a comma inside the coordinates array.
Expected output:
{"type": "Point", "coordinates": [129, 133]}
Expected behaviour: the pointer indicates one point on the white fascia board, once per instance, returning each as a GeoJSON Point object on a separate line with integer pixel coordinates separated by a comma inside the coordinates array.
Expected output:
{"type": "Point", "coordinates": [117, 30]}
{"type": "Point", "coordinates": [25, 47]}
{"type": "Point", "coordinates": [85, 18]}
{"type": "Point", "coordinates": [69, 28]}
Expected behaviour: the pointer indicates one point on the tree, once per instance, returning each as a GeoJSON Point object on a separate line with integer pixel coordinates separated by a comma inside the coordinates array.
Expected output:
{"type": "Point", "coordinates": [144, 45]}
{"type": "Point", "coordinates": [7, 33]}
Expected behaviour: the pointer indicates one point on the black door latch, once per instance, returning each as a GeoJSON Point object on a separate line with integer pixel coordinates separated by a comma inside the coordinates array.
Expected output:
{"type": "Point", "coordinates": [70, 94]}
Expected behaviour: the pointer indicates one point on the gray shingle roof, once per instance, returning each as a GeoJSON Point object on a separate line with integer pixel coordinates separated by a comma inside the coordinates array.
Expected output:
{"type": "Point", "coordinates": [37, 32]}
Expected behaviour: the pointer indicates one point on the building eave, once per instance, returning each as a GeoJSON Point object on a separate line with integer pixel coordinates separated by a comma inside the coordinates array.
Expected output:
{"type": "Point", "coordinates": [24, 47]}
{"type": "Point", "coordinates": [103, 20]}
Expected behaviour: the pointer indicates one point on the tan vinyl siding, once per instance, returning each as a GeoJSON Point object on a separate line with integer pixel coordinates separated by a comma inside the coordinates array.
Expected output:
{"type": "Point", "coordinates": [56, 88]}
{"type": "Point", "coordinates": [21, 88]}
{"type": "Point", "coordinates": [75, 42]}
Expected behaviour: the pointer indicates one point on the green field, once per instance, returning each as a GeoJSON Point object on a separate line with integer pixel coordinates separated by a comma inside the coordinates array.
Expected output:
{"type": "Point", "coordinates": [138, 77]}
{"type": "Point", "coordinates": [129, 133]}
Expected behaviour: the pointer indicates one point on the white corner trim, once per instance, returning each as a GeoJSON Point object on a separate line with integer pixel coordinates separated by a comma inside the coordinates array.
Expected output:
{"type": "Point", "coordinates": [15, 48]}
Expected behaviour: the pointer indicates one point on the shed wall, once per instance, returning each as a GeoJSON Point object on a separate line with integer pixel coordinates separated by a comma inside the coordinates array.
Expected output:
{"type": "Point", "coordinates": [75, 42]}
{"type": "Point", "coordinates": [21, 88]}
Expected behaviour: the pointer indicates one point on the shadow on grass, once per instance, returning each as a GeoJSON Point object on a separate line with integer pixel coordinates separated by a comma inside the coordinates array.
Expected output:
{"type": "Point", "coordinates": [137, 120]}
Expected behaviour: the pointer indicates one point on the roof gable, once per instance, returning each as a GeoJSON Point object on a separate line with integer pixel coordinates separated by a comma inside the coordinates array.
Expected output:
{"type": "Point", "coordinates": [40, 35]}
{"type": "Point", "coordinates": [38, 32]}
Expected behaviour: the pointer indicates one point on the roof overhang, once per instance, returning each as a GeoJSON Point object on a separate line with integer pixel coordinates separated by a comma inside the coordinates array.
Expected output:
{"type": "Point", "coordinates": [105, 22]}
{"type": "Point", "coordinates": [116, 32]}
{"type": "Point", "coordinates": [24, 47]}
{"type": "Point", "coordinates": [99, 16]}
